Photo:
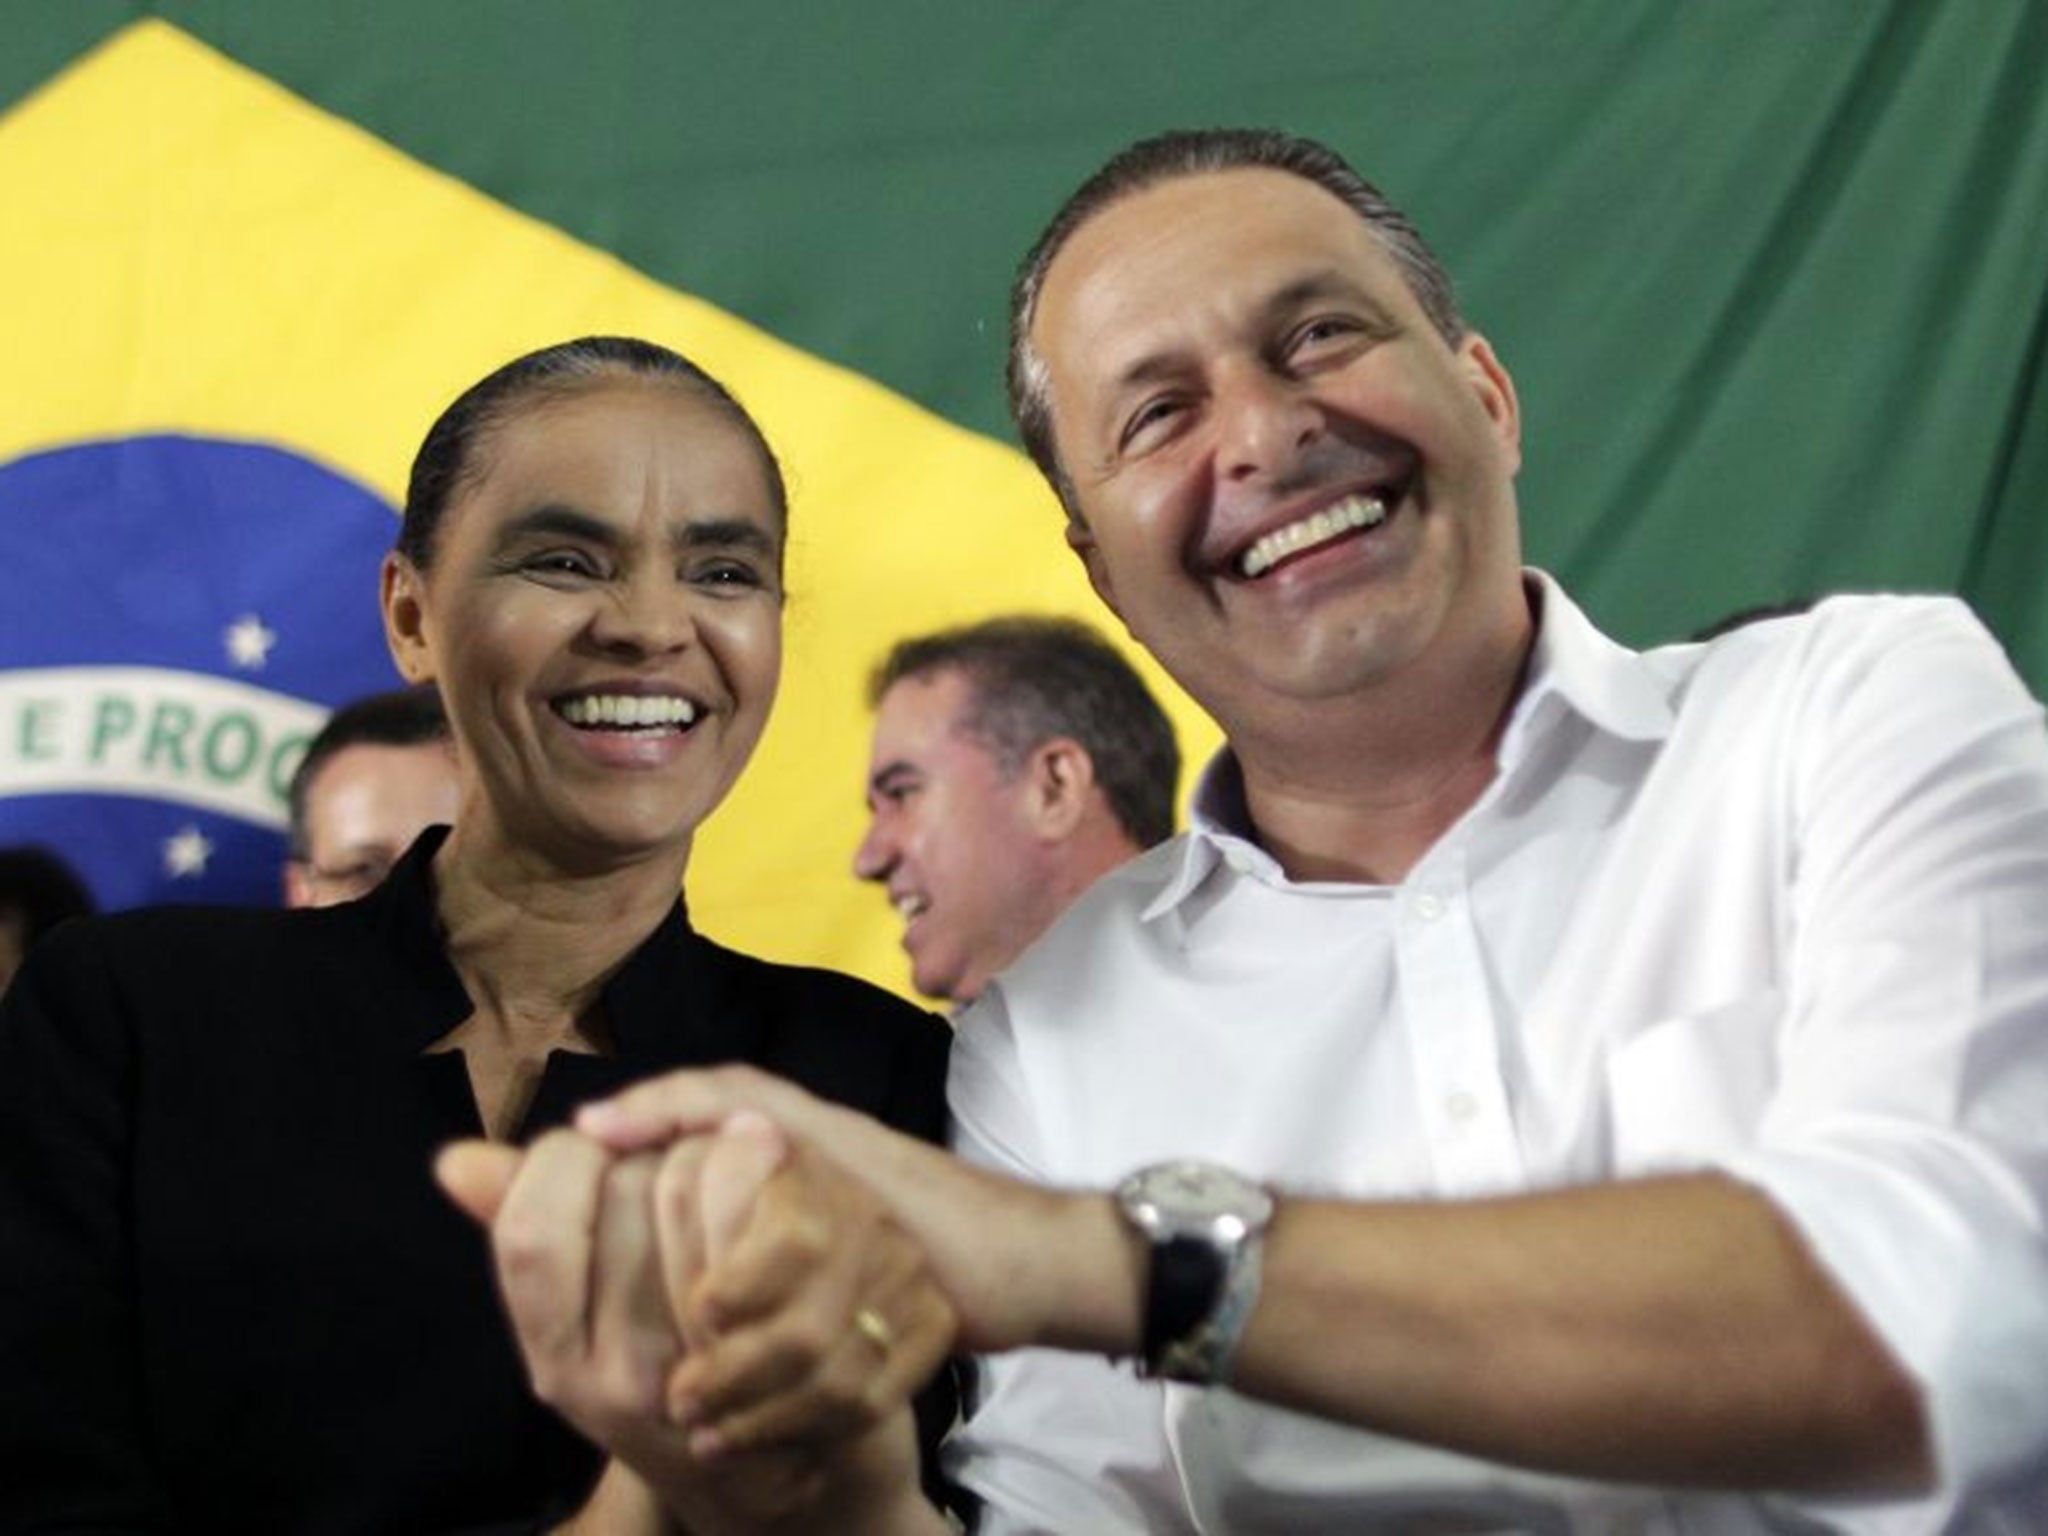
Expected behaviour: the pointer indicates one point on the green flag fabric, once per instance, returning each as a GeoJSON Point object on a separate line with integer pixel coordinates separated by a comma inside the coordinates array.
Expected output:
{"type": "Point", "coordinates": [1772, 280]}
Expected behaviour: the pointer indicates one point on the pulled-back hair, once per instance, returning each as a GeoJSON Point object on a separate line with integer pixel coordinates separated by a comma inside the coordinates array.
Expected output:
{"type": "Point", "coordinates": [449, 457]}
{"type": "Point", "coordinates": [1032, 679]}
{"type": "Point", "coordinates": [1197, 152]}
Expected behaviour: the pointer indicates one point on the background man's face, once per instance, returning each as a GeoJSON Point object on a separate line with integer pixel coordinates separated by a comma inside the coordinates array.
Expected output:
{"type": "Point", "coordinates": [363, 809]}
{"type": "Point", "coordinates": [13, 944]}
{"type": "Point", "coordinates": [1293, 485]}
{"type": "Point", "coordinates": [951, 839]}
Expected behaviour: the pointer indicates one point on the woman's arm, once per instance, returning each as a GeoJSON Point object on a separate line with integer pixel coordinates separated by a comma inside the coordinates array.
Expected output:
{"type": "Point", "coordinates": [72, 1426]}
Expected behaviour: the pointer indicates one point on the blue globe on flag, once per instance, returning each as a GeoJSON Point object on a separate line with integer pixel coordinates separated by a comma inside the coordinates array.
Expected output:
{"type": "Point", "coordinates": [178, 615]}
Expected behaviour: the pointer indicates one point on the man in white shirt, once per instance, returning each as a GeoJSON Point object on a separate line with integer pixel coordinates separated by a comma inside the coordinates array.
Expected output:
{"type": "Point", "coordinates": [1650, 1051]}
{"type": "Point", "coordinates": [1015, 762]}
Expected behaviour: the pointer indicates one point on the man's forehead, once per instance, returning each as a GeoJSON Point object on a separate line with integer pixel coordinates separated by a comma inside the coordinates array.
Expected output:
{"type": "Point", "coordinates": [1151, 254]}
{"type": "Point", "coordinates": [929, 697]}
{"type": "Point", "coordinates": [924, 720]}
{"type": "Point", "coordinates": [374, 758]}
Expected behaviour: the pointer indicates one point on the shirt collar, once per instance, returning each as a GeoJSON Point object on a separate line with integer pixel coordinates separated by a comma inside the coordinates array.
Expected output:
{"type": "Point", "coordinates": [662, 981]}
{"type": "Point", "coordinates": [1614, 688]}
{"type": "Point", "coordinates": [1572, 666]}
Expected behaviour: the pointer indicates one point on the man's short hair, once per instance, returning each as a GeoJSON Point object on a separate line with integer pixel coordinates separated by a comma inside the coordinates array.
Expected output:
{"type": "Point", "coordinates": [1033, 679]}
{"type": "Point", "coordinates": [41, 890]}
{"type": "Point", "coordinates": [1196, 152]}
{"type": "Point", "coordinates": [404, 717]}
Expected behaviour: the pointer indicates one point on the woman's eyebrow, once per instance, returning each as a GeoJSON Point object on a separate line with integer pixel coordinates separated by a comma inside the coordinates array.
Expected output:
{"type": "Point", "coordinates": [554, 519]}
{"type": "Point", "coordinates": [722, 533]}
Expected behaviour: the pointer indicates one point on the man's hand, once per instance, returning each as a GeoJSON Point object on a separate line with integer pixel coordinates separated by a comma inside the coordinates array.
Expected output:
{"type": "Point", "coordinates": [1022, 1265]}
{"type": "Point", "coordinates": [690, 1311]}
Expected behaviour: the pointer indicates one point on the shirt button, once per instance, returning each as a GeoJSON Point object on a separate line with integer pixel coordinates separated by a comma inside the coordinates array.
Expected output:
{"type": "Point", "coordinates": [1429, 908]}
{"type": "Point", "coordinates": [1461, 1107]}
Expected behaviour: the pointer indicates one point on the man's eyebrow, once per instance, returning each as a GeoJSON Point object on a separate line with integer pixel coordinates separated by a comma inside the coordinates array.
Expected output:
{"type": "Point", "coordinates": [889, 775]}
{"type": "Point", "coordinates": [1313, 288]}
{"type": "Point", "coordinates": [1318, 287]}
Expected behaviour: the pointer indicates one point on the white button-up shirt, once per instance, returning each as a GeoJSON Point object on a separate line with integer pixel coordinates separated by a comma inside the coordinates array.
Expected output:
{"type": "Point", "coordinates": [1776, 905]}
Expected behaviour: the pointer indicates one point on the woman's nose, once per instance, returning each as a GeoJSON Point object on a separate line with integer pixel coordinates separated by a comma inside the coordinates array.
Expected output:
{"type": "Point", "coordinates": [647, 616]}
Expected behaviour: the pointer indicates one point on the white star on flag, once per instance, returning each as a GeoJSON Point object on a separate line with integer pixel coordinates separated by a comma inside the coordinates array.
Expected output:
{"type": "Point", "coordinates": [249, 643]}
{"type": "Point", "coordinates": [185, 855]}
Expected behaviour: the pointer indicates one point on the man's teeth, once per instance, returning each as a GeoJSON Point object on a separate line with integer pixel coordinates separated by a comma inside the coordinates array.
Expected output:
{"type": "Point", "coordinates": [909, 906]}
{"type": "Point", "coordinates": [628, 711]}
{"type": "Point", "coordinates": [1351, 513]}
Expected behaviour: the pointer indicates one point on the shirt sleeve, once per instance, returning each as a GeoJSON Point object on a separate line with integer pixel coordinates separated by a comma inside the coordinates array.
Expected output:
{"type": "Point", "coordinates": [1908, 1138]}
{"type": "Point", "coordinates": [71, 1431]}
{"type": "Point", "coordinates": [1053, 1441]}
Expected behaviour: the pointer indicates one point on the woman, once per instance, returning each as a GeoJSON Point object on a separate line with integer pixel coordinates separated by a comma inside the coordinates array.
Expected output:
{"type": "Point", "coordinates": [230, 1298]}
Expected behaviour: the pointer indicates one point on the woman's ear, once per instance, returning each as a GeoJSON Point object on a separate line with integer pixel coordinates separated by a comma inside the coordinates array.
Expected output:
{"type": "Point", "coordinates": [400, 592]}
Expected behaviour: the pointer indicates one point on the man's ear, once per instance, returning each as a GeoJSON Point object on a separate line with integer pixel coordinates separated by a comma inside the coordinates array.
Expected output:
{"type": "Point", "coordinates": [399, 589]}
{"type": "Point", "coordinates": [1082, 543]}
{"type": "Point", "coordinates": [1059, 778]}
{"type": "Point", "coordinates": [1496, 390]}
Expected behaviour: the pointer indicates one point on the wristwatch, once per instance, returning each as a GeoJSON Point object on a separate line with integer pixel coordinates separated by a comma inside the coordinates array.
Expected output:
{"type": "Point", "coordinates": [1206, 1228]}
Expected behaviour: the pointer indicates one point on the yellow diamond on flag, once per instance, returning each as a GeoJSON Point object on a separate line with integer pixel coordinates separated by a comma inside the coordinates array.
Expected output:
{"type": "Point", "coordinates": [208, 254]}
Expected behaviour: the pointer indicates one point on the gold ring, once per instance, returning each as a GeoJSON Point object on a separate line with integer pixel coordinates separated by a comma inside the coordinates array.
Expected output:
{"type": "Point", "coordinates": [873, 1327]}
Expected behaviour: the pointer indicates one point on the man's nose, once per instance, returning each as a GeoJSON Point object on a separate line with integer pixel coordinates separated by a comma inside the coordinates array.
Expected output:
{"type": "Point", "coordinates": [1265, 420]}
{"type": "Point", "coordinates": [876, 855]}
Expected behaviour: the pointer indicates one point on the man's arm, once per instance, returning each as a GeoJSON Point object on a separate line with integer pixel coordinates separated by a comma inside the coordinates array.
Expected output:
{"type": "Point", "coordinates": [1547, 1330]}
{"type": "Point", "coordinates": [1670, 1331]}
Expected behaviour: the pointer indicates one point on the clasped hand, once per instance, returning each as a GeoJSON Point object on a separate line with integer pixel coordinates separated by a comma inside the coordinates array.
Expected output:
{"type": "Point", "coordinates": [731, 1316]}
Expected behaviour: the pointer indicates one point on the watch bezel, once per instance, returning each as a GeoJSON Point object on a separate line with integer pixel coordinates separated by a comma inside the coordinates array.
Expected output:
{"type": "Point", "coordinates": [1233, 1208]}
{"type": "Point", "coordinates": [1195, 1216]}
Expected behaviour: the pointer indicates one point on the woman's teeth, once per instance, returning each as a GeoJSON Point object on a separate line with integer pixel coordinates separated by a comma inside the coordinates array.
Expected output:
{"type": "Point", "coordinates": [627, 712]}
{"type": "Point", "coordinates": [1353, 512]}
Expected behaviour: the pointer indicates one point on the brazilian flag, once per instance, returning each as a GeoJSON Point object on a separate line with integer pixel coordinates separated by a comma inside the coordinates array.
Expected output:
{"type": "Point", "coordinates": [1772, 279]}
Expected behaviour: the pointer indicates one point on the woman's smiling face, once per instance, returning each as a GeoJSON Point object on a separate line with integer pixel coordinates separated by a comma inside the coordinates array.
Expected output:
{"type": "Point", "coordinates": [603, 614]}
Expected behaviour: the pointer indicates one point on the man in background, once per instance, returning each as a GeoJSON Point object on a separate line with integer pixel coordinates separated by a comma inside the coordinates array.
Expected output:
{"type": "Point", "coordinates": [1015, 762]}
{"type": "Point", "coordinates": [381, 771]}
{"type": "Point", "coordinates": [38, 891]}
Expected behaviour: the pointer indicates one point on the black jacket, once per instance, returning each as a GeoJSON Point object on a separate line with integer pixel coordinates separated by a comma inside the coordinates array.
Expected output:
{"type": "Point", "coordinates": [231, 1298]}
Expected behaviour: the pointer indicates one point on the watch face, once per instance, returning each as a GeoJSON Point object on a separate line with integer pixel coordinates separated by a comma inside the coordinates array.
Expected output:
{"type": "Point", "coordinates": [1190, 1198]}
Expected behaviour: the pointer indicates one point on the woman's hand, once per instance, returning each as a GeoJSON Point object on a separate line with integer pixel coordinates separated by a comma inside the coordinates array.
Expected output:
{"type": "Point", "coordinates": [727, 1315]}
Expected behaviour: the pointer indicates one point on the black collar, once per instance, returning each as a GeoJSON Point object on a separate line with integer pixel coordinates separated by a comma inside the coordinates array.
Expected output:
{"type": "Point", "coordinates": [675, 975]}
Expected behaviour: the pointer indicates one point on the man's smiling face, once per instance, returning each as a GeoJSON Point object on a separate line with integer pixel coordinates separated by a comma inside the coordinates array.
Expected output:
{"type": "Point", "coordinates": [951, 836]}
{"type": "Point", "coordinates": [1291, 486]}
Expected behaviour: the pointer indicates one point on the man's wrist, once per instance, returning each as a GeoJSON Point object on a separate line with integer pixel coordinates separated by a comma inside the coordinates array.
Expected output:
{"type": "Point", "coordinates": [1092, 1270]}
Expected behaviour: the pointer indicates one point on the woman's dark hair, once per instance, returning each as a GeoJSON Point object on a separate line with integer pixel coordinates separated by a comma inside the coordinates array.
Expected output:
{"type": "Point", "coordinates": [449, 457]}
